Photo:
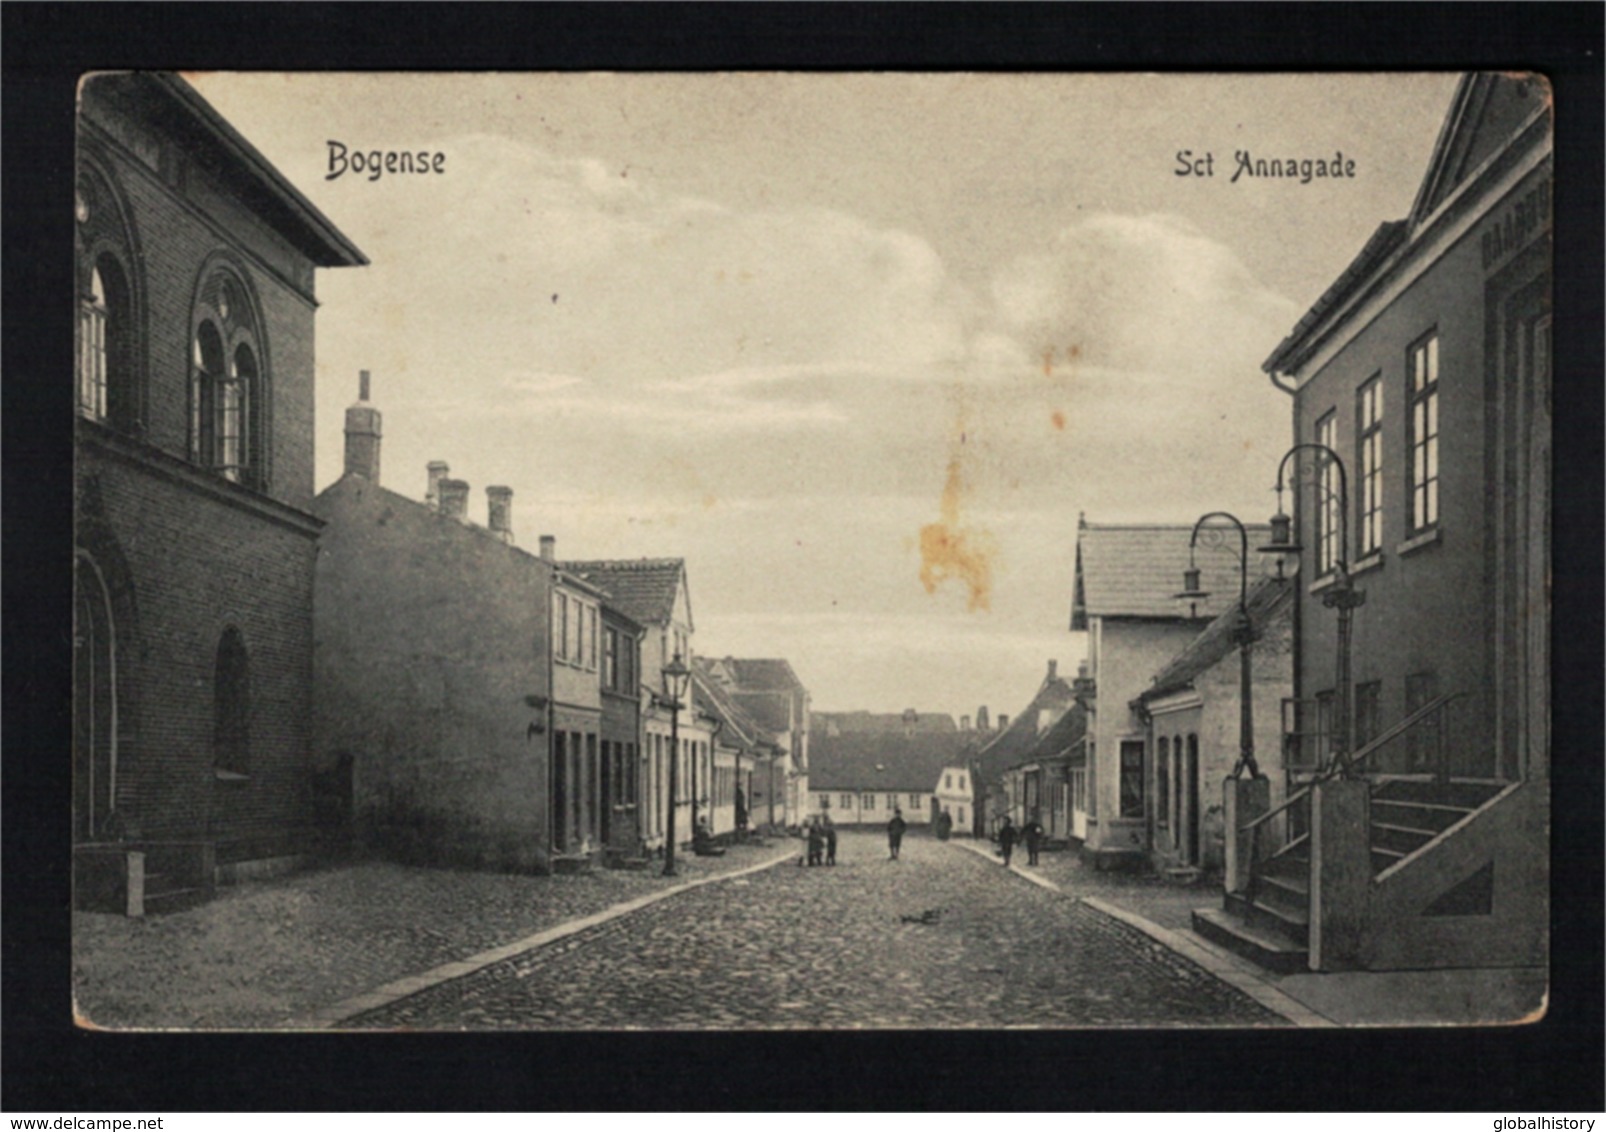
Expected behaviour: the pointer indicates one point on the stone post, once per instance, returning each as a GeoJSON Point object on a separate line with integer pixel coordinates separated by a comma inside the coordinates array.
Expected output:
{"type": "Point", "coordinates": [1242, 801]}
{"type": "Point", "coordinates": [1341, 872]}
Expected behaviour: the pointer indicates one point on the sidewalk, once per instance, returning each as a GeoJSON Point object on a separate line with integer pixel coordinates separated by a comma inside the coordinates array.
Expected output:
{"type": "Point", "coordinates": [1491, 996]}
{"type": "Point", "coordinates": [285, 953]}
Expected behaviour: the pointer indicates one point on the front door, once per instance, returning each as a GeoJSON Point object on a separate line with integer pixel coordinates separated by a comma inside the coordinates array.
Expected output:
{"type": "Point", "coordinates": [94, 705]}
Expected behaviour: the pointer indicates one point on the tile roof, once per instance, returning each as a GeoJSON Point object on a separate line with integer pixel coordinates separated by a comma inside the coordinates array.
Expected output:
{"type": "Point", "coordinates": [772, 675]}
{"type": "Point", "coordinates": [772, 710]}
{"type": "Point", "coordinates": [1269, 599]}
{"type": "Point", "coordinates": [740, 729]}
{"type": "Point", "coordinates": [643, 588]}
{"type": "Point", "coordinates": [890, 761]}
{"type": "Point", "coordinates": [1136, 571]}
{"type": "Point", "coordinates": [856, 722]}
{"type": "Point", "coordinates": [1016, 741]}
{"type": "Point", "coordinates": [1058, 740]}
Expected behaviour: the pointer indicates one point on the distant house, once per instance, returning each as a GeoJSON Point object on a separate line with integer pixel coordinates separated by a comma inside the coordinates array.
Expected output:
{"type": "Point", "coordinates": [1194, 711]}
{"type": "Point", "coordinates": [654, 593]}
{"type": "Point", "coordinates": [1126, 581]}
{"type": "Point", "coordinates": [771, 694]}
{"type": "Point", "coordinates": [1014, 742]}
{"type": "Point", "coordinates": [864, 766]}
{"type": "Point", "coordinates": [1040, 785]}
{"type": "Point", "coordinates": [749, 767]}
{"type": "Point", "coordinates": [194, 262]}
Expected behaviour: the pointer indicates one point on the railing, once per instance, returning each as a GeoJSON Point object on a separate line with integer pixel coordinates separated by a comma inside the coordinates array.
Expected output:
{"type": "Point", "coordinates": [1429, 756]}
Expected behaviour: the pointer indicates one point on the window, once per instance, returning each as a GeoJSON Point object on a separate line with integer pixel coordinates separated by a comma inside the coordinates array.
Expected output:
{"type": "Point", "coordinates": [560, 626]}
{"type": "Point", "coordinates": [1369, 436]}
{"type": "Point", "coordinates": [892, 801]}
{"type": "Point", "coordinates": [1327, 548]}
{"type": "Point", "coordinates": [961, 782]}
{"type": "Point", "coordinates": [1079, 790]}
{"type": "Point", "coordinates": [947, 782]}
{"type": "Point", "coordinates": [1368, 697]}
{"type": "Point", "coordinates": [961, 818]}
{"type": "Point", "coordinates": [914, 801]}
{"type": "Point", "coordinates": [1131, 778]}
{"type": "Point", "coordinates": [225, 383]}
{"type": "Point", "coordinates": [1424, 435]}
{"type": "Point", "coordinates": [610, 658]}
{"type": "Point", "coordinates": [847, 801]}
{"type": "Point", "coordinates": [1421, 741]}
{"type": "Point", "coordinates": [1162, 781]}
{"type": "Point", "coordinates": [231, 706]}
{"type": "Point", "coordinates": [869, 801]}
{"type": "Point", "coordinates": [106, 353]}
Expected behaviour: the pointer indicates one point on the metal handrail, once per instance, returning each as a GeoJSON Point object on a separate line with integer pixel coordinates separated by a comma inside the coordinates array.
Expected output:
{"type": "Point", "coordinates": [1399, 729]}
{"type": "Point", "coordinates": [1269, 814]}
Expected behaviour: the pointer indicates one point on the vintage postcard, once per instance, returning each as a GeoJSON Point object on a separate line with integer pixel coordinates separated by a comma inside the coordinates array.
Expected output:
{"type": "Point", "coordinates": [777, 551]}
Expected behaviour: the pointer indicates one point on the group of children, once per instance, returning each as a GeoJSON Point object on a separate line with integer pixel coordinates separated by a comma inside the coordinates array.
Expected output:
{"type": "Point", "coordinates": [822, 840]}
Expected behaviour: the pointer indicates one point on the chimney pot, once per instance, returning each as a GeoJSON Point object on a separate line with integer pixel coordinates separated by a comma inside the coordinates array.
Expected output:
{"type": "Point", "coordinates": [1053, 665]}
{"type": "Point", "coordinates": [454, 499]}
{"type": "Point", "coordinates": [1003, 721]}
{"type": "Point", "coordinates": [499, 512]}
{"type": "Point", "coordinates": [549, 548]}
{"type": "Point", "coordinates": [438, 470]}
{"type": "Point", "coordinates": [363, 435]}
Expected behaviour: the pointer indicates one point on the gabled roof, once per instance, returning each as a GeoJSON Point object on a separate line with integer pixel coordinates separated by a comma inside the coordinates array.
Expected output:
{"type": "Point", "coordinates": [890, 761]}
{"type": "Point", "coordinates": [1486, 113]}
{"type": "Point", "coordinates": [858, 722]}
{"type": "Point", "coordinates": [1136, 570]}
{"type": "Point", "coordinates": [772, 675]}
{"type": "Point", "coordinates": [1490, 117]}
{"type": "Point", "coordinates": [1269, 599]}
{"type": "Point", "coordinates": [1058, 740]}
{"type": "Point", "coordinates": [739, 729]}
{"type": "Point", "coordinates": [771, 710]}
{"type": "Point", "coordinates": [1016, 741]}
{"type": "Point", "coordinates": [642, 588]}
{"type": "Point", "coordinates": [213, 141]}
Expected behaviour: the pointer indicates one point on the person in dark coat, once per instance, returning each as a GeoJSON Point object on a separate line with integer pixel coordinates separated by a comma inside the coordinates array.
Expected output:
{"type": "Point", "coordinates": [816, 841]}
{"type": "Point", "coordinates": [895, 829]}
{"type": "Point", "coordinates": [830, 841]}
{"type": "Point", "coordinates": [1006, 840]}
{"type": "Point", "coordinates": [1032, 834]}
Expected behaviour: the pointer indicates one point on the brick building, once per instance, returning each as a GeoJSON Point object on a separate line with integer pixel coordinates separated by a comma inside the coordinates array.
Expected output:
{"type": "Point", "coordinates": [194, 540]}
{"type": "Point", "coordinates": [1426, 370]}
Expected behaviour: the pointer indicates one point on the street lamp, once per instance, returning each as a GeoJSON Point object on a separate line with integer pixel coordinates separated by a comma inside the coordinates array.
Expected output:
{"type": "Point", "coordinates": [1243, 632]}
{"type": "Point", "coordinates": [675, 676]}
{"type": "Point", "coordinates": [1342, 595]}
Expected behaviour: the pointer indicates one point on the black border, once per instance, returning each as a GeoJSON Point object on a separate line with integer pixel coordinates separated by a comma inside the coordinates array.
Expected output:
{"type": "Point", "coordinates": [1550, 1067]}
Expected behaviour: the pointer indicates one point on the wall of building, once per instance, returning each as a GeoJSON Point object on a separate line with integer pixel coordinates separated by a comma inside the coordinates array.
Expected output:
{"type": "Point", "coordinates": [1128, 655]}
{"type": "Point", "coordinates": [871, 807]}
{"type": "Point", "coordinates": [1429, 607]}
{"type": "Point", "coordinates": [430, 645]}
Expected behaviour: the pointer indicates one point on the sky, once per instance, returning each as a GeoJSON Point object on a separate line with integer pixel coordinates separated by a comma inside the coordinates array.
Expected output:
{"type": "Point", "coordinates": [859, 348]}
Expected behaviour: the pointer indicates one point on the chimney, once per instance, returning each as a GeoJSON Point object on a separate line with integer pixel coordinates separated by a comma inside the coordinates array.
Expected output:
{"type": "Point", "coordinates": [1053, 666]}
{"type": "Point", "coordinates": [438, 471]}
{"type": "Point", "coordinates": [454, 499]}
{"type": "Point", "coordinates": [362, 434]}
{"type": "Point", "coordinates": [981, 718]}
{"type": "Point", "coordinates": [499, 512]}
{"type": "Point", "coordinates": [1003, 721]}
{"type": "Point", "coordinates": [964, 723]}
{"type": "Point", "coordinates": [549, 548]}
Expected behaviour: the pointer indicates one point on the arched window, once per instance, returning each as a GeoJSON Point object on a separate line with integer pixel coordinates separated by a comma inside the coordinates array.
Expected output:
{"type": "Point", "coordinates": [107, 355]}
{"type": "Point", "coordinates": [226, 383]}
{"type": "Point", "coordinates": [231, 706]}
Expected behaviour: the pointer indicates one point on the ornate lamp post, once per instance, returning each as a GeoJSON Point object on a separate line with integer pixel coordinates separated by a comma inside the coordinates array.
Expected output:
{"type": "Point", "coordinates": [1243, 632]}
{"type": "Point", "coordinates": [675, 676]}
{"type": "Point", "coordinates": [1342, 596]}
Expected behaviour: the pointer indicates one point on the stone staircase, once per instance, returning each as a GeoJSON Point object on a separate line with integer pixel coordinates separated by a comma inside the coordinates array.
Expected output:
{"type": "Point", "coordinates": [1269, 924]}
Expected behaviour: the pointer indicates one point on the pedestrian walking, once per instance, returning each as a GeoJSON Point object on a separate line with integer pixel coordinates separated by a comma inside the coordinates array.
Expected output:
{"type": "Point", "coordinates": [1006, 840]}
{"type": "Point", "coordinates": [895, 829]}
{"type": "Point", "coordinates": [830, 841]}
{"type": "Point", "coordinates": [816, 841]}
{"type": "Point", "coordinates": [1032, 834]}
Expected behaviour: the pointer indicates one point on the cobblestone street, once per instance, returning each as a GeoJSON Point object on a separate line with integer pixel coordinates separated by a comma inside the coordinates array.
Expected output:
{"type": "Point", "coordinates": [941, 938]}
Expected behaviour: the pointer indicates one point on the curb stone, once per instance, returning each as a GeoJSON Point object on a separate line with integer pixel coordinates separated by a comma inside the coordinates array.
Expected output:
{"type": "Point", "coordinates": [331, 1016]}
{"type": "Point", "coordinates": [1215, 963]}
